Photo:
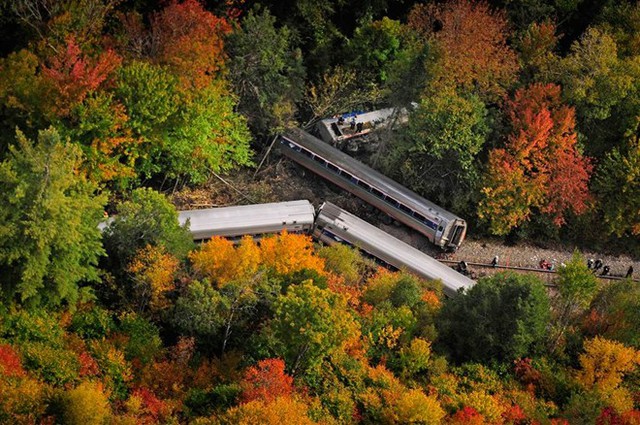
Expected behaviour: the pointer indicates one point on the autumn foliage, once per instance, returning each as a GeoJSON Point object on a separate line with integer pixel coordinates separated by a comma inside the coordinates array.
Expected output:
{"type": "Point", "coordinates": [473, 42]}
{"type": "Point", "coordinates": [10, 363]}
{"type": "Point", "coordinates": [266, 381]}
{"type": "Point", "coordinates": [289, 252]}
{"type": "Point", "coordinates": [222, 262]}
{"type": "Point", "coordinates": [153, 270]}
{"type": "Point", "coordinates": [74, 74]}
{"type": "Point", "coordinates": [540, 165]}
{"type": "Point", "coordinates": [191, 40]}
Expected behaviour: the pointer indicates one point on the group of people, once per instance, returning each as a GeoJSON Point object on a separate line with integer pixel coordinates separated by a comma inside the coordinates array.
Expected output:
{"type": "Point", "coordinates": [596, 265]}
{"type": "Point", "coordinates": [353, 124]}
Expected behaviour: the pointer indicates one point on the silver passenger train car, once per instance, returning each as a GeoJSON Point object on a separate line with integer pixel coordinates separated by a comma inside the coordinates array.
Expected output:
{"type": "Point", "coordinates": [335, 225]}
{"type": "Point", "coordinates": [236, 221]}
{"type": "Point", "coordinates": [441, 227]}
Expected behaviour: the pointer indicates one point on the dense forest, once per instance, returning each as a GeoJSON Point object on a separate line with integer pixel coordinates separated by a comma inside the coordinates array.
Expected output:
{"type": "Point", "coordinates": [524, 118]}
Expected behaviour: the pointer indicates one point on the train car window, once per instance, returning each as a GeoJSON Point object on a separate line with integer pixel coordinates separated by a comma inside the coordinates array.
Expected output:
{"type": "Point", "coordinates": [320, 160]}
{"type": "Point", "coordinates": [377, 193]}
{"type": "Point", "coordinates": [419, 217]}
{"type": "Point", "coordinates": [405, 209]}
{"type": "Point", "coordinates": [333, 168]}
{"type": "Point", "coordinates": [346, 175]}
{"type": "Point", "coordinates": [392, 202]}
{"type": "Point", "coordinates": [439, 228]}
{"type": "Point", "coordinates": [364, 185]}
{"type": "Point", "coordinates": [307, 153]}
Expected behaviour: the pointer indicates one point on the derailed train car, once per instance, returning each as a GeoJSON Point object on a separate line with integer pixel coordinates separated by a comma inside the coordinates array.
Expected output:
{"type": "Point", "coordinates": [335, 225]}
{"type": "Point", "coordinates": [441, 227]}
{"type": "Point", "coordinates": [256, 220]}
{"type": "Point", "coordinates": [330, 225]}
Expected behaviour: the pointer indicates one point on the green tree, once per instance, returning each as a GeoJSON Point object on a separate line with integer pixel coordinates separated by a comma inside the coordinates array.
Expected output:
{"type": "Point", "coordinates": [207, 312]}
{"type": "Point", "coordinates": [99, 126]}
{"type": "Point", "coordinates": [344, 261]}
{"type": "Point", "coordinates": [49, 236]}
{"type": "Point", "coordinates": [181, 131]}
{"type": "Point", "coordinates": [148, 218]}
{"type": "Point", "coordinates": [22, 94]}
{"type": "Point", "coordinates": [266, 71]}
{"type": "Point", "coordinates": [445, 125]}
{"type": "Point", "coordinates": [617, 183]}
{"type": "Point", "coordinates": [209, 136]}
{"type": "Point", "coordinates": [374, 46]}
{"type": "Point", "coordinates": [149, 95]}
{"type": "Point", "coordinates": [577, 287]}
{"type": "Point", "coordinates": [602, 86]}
{"type": "Point", "coordinates": [408, 72]}
{"type": "Point", "coordinates": [615, 313]}
{"type": "Point", "coordinates": [622, 21]}
{"type": "Point", "coordinates": [501, 318]}
{"type": "Point", "coordinates": [197, 310]}
{"type": "Point", "coordinates": [310, 324]}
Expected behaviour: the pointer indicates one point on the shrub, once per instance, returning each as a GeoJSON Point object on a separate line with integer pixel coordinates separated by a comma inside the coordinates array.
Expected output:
{"type": "Point", "coordinates": [94, 322]}
{"type": "Point", "coordinates": [144, 341]}
{"type": "Point", "coordinates": [57, 366]}
{"type": "Point", "coordinates": [87, 404]}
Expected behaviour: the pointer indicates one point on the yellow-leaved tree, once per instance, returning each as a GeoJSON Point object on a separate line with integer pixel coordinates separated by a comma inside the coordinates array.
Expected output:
{"type": "Point", "coordinates": [153, 270]}
{"type": "Point", "coordinates": [603, 367]}
{"type": "Point", "coordinates": [287, 253]}
{"type": "Point", "coordinates": [221, 262]}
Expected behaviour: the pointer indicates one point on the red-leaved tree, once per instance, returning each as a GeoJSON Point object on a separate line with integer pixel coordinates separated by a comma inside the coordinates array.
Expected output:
{"type": "Point", "coordinates": [540, 165]}
{"type": "Point", "coordinates": [10, 363]}
{"type": "Point", "coordinates": [266, 381]}
{"type": "Point", "coordinates": [73, 74]}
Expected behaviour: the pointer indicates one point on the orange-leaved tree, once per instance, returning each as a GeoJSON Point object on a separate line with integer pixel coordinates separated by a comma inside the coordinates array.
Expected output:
{"type": "Point", "coordinates": [288, 252]}
{"type": "Point", "coordinates": [473, 44]}
{"type": "Point", "coordinates": [190, 40]}
{"type": "Point", "coordinates": [222, 263]}
{"type": "Point", "coordinates": [604, 365]}
{"type": "Point", "coordinates": [282, 410]}
{"type": "Point", "coordinates": [540, 166]}
{"type": "Point", "coordinates": [10, 363]}
{"type": "Point", "coordinates": [266, 381]}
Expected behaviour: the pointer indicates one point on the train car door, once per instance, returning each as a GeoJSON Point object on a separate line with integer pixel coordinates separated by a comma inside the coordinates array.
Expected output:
{"type": "Point", "coordinates": [439, 230]}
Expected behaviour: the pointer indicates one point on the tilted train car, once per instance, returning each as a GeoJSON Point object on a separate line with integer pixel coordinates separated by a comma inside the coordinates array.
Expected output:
{"type": "Point", "coordinates": [439, 225]}
{"type": "Point", "coordinates": [236, 221]}
{"type": "Point", "coordinates": [334, 224]}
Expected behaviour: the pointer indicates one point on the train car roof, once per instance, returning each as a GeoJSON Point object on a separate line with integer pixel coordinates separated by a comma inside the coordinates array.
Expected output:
{"type": "Point", "coordinates": [371, 237]}
{"type": "Point", "coordinates": [212, 219]}
{"type": "Point", "coordinates": [357, 168]}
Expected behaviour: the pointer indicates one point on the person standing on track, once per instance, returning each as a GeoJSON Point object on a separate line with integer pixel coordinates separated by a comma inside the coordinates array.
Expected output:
{"type": "Point", "coordinates": [494, 262]}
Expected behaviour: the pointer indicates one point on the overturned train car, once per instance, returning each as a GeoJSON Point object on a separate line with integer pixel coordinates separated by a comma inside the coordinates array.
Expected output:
{"type": "Point", "coordinates": [441, 227]}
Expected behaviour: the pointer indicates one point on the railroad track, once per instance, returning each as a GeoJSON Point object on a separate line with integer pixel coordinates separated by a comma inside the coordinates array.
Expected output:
{"type": "Point", "coordinates": [525, 269]}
